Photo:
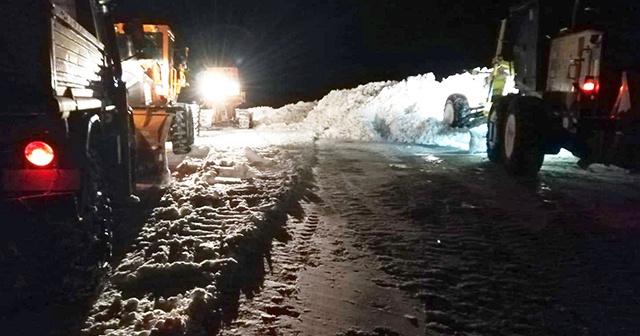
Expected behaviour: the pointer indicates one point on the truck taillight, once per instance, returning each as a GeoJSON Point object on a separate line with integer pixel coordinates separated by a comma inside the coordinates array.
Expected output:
{"type": "Point", "coordinates": [39, 153]}
{"type": "Point", "coordinates": [590, 86]}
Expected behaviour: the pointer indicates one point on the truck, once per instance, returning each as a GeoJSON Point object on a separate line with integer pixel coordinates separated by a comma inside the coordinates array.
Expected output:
{"type": "Point", "coordinates": [154, 71]}
{"type": "Point", "coordinates": [575, 68]}
{"type": "Point", "coordinates": [68, 149]}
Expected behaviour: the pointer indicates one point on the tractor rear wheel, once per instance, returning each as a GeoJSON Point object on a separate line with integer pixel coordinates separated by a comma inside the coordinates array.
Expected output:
{"type": "Point", "coordinates": [455, 109]}
{"type": "Point", "coordinates": [520, 139]}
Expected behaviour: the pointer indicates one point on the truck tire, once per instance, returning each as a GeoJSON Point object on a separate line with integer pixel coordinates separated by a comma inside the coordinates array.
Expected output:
{"type": "Point", "coordinates": [493, 138]}
{"type": "Point", "coordinates": [519, 137]}
{"type": "Point", "coordinates": [94, 234]}
{"type": "Point", "coordinates": [182, 131]}
{"type": "Point", "coordinates": [455, 109]}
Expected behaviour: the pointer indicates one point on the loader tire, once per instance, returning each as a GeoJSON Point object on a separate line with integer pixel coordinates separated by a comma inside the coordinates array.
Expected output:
{"type": "Point", "coordinates": [245, 119]}
{"type": "Point", "coordinates": [493, 138]}
{"type": "Point", "coordinates": [182, 132]}
{"type": "Point", "coordinates": [455, 109]}
{"type": "Point", "coordinates": [191, 127]}
{"type": "Point", "coordinates": [520, 138]}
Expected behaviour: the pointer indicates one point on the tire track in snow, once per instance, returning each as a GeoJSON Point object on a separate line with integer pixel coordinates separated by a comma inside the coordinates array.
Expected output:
{"type": "Point", "coordinates": [486, 255]}
{"type": "Point", "coordinates": [204, 245]}
{"type": "Point", "coordinates": [274, 310]}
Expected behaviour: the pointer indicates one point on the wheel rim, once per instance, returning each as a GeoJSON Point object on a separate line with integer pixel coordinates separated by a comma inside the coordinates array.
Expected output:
{"type": "Point", "coordinates": [447, 118]}
{"type": "Point", "coordinates": [509, 135]}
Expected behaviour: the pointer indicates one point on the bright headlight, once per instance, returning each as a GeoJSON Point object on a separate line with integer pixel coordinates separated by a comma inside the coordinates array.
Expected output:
{"type": "Point", "coordinates": [216, 87]}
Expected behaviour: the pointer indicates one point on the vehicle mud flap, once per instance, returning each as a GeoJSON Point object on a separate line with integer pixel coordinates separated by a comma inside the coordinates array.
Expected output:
{"type": "Point", "coordinates": [152, 130]}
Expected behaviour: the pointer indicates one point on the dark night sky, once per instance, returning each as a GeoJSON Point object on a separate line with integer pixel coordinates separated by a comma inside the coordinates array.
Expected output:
{"type": "Point", "coordinates": [290, 50]}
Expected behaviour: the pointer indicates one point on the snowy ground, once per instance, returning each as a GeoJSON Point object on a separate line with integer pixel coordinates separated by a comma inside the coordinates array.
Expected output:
{"type": "Point", "coordinates": [241, 206]}
{"type": "Point", "coordinates": [201, 246]}
{"type": "Point", "coordinates": [198, 248]}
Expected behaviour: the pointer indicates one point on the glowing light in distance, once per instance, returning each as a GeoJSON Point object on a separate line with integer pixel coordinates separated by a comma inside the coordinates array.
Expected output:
{"type": "Point", "coordinates": [216, 87]}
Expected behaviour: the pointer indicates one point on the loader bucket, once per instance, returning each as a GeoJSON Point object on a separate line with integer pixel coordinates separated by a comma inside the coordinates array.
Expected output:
{"type": "Point", "coordinates": [152, 130]}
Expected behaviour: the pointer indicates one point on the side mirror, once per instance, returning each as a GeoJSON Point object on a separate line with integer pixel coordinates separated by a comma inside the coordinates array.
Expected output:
{"type": "Point", "coordinates": [135, 31]}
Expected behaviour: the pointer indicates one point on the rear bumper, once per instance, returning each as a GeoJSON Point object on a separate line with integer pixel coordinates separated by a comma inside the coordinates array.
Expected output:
{"type": "Point", "coordinates": [50, 193]}
{"type": "Point", "coordinates": [40, 180]}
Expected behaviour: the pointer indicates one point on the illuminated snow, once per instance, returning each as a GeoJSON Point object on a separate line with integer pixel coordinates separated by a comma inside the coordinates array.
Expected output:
{"type": "Point", "coordinates": [408, 111]}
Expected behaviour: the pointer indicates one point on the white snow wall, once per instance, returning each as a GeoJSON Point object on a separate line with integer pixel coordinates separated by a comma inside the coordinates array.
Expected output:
{"type": "Point", "coordinates": [408, 111]}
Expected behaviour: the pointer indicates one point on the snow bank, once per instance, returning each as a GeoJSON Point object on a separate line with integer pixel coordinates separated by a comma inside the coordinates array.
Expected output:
{"type": "Point", "coordinates": [288, 114]}
{"type": "Point", "coordinates": [409, 111]}
{"type": "Point", "coordinates": [218, 216]}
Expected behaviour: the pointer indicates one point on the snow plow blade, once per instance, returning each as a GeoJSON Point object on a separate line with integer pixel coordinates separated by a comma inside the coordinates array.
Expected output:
{"type": "Point", "coordinates": [152, 131]}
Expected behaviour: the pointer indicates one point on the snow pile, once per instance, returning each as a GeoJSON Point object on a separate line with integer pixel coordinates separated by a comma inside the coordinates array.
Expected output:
{"type": "Point", "coordinates": [339, 114]}
{"type": "Point", "coordinates": [409, 111]}
{"type": "Point", "coordinates": [288, 114]}
{"type": "Point", "coordinates": [216, 217]}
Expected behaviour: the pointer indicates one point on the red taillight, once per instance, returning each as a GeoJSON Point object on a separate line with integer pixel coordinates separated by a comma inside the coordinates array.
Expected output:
{"type": "Point", "coordinates": [39, 153]}
{"type": "Point", "coordinates": [589, 86]}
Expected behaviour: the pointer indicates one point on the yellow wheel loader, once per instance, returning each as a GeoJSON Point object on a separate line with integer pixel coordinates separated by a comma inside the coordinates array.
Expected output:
{"type": "Point", "coordinates": [154, 77]}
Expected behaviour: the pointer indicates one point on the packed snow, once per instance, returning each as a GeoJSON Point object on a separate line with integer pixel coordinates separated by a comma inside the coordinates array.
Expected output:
{"type": "Point", "coordinates": [221, 210]}
{"type": "Point", "coordinates": [229, 199]}
{"type": "Point", "coordinates": [226, 201]}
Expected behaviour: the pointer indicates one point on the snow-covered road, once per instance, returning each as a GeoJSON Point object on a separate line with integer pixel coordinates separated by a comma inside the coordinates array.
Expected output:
{"type": "Point", "coordinates": [483, 253]}
{"type": "Point", "coordinates": [349, 216]}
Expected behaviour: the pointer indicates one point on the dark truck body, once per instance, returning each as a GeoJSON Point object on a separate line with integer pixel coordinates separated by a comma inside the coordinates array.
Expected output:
{"type": "Point", "coordinates": [61, 85]}
{"type": "Point", "coordinates": [534, 24]}
{"type": "Point", "coordinates": [557, 46]}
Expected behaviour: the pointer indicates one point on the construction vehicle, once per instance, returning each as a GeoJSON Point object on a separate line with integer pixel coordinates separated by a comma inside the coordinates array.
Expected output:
{"type": "Point", "coordinates": [220, 93]}
{"type": "Point", "coordinates": [67, 152]}
{"type": "Point", "coordinates": [155, 75]}
{"type": "Point", "coordinates": [498, 82]}
{"type": "Point", "coordinates": [575, 69]}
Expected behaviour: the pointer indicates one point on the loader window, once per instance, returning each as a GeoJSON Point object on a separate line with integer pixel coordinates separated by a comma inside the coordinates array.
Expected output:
{"type": "Point", "coordinates": [153, 45]}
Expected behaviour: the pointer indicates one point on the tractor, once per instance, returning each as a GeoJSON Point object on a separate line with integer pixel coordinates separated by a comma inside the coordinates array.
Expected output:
{"type": "Point", "coordinates": [575, 67]}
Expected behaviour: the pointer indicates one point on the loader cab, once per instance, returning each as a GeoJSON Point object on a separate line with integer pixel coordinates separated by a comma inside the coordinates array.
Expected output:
{"type": "Point", "coordinates": [149, 66]}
